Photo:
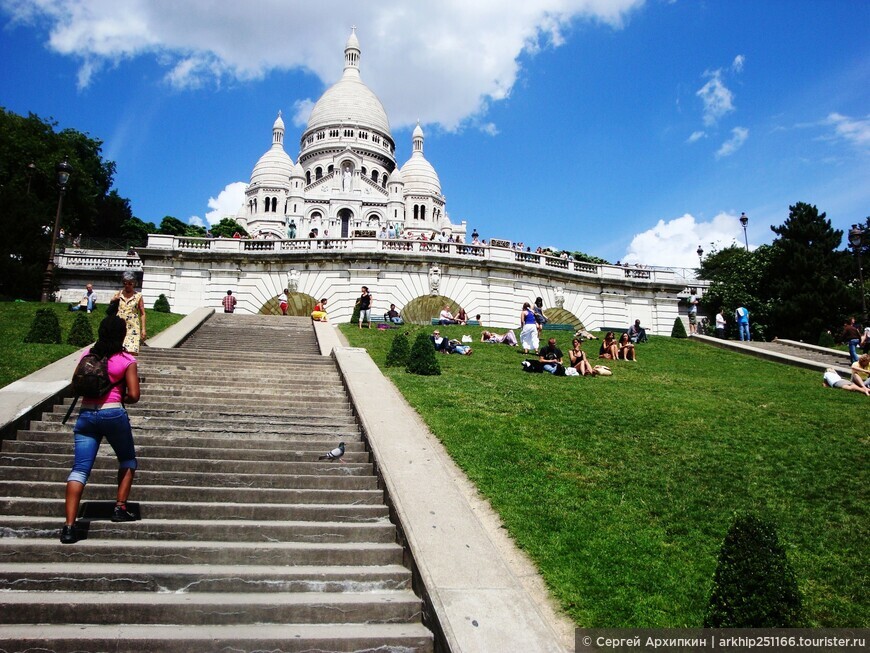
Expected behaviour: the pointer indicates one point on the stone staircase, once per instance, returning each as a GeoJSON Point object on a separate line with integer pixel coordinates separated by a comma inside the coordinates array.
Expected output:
{"type": "Point", "coordinates": [246, 541]}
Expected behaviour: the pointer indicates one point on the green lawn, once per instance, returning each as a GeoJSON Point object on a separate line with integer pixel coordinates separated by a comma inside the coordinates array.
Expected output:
{"type": "Point", "coordinates": [622, 488]}
{"type": "Point", "coordinates": [18, 358]}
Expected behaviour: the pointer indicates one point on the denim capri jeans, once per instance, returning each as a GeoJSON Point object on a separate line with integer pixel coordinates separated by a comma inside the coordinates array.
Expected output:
{"type": "Point", "coordinates": [90, 429]}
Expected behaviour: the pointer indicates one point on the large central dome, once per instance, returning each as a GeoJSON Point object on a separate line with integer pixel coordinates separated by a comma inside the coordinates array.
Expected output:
{"type": "Point", "coordinates": [349, 101]}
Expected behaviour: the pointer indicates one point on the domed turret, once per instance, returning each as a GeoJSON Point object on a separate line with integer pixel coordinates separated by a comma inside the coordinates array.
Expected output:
{"type": "Point", "coordinates": [275, 166]}
{"type": "Point", "coordinates": [418, 174]}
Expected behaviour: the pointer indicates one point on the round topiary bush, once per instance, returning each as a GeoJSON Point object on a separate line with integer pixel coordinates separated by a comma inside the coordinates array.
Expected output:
{"type": "Point", "coordinates": [754, 585]}
{"type": "Point", "coordinates": [45, 328]}
{"type": "Point", "coordinates": [81, 333]}
{"type": "Point", "coordinates": [679, 330]}
{"type": "Point", "coordinates": [162, 304]}
{"type": "Point", "coordinates": [826, 339]}
{"type": "Point", "coordinates": [400, 349]}
{"type": "Point", "coordinates": [421, 359]}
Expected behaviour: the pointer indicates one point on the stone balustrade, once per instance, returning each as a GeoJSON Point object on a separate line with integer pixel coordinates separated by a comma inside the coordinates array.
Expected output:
{"type": "Point", "coordinates": [425, 247]}
{"type": "Point", "coordinates": [102, 261]}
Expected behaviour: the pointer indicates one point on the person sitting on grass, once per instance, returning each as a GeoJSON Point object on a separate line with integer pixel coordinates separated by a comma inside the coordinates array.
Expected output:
{"type": "Point", "coordinates": [833, 380]}
{"type": "Point", "coordinates": [446, 317]}
{"type": "Point", "coordinates": [626, 349]}
{"type": "Point", "coordinates": [440, 343]}
{"type": "Point", "coordinates": [461, 316]}
{"type": "Point", "coordinates": [579, 359]}
{"type": "Point", "coordinates": [491, 336]}
{"type": "Point", "coordinates": [861, 371]}
{"type": "Point", "coordinates": [636, 333]}
{"type": "Point", "coordinates": [393, 315]}
{"type": "Point", "coordinates": [551, 356]}
{"type": "Point", "coordinates": [609, 349]}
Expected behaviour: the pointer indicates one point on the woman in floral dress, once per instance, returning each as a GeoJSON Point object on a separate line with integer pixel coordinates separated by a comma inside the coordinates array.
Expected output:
{"type": "Point", "coordinates": [131, 309]}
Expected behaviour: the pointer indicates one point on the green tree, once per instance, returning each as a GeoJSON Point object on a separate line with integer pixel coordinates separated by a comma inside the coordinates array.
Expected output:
{"type": "Point", "coordinates": [81, 333]}
{"type": "Point", "coordinates": [400, 349]}
{"type": "Point", "coordinates": [679, 329]}
{"type": "Point", "coordinates": [226, 228]}
{"type": "Point", "coordinates": [807, 276]}
{"type": "Point", "coordinates": [172, 226]}
{"type": "Point", "coordinates": [135, 232]}
{"type": "Point", "coordinates": [161, 304]}
{"type": "Point", "coordinates": [739, 278]}
{"type": "Point", "coordinates": [588, 258]}
{"type": "Point", "coordinates": [29, 196]}
{"type": "Point", "coordinates": [45, 327]}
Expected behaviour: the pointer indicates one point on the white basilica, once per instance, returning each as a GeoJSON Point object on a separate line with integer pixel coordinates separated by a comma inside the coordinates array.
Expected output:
{"type": "Point", "coordinates": [346, 181]}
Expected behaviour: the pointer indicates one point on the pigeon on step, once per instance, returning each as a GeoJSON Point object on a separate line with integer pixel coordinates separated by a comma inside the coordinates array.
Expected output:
{"type": "Point", "coordinates": [335, 454]}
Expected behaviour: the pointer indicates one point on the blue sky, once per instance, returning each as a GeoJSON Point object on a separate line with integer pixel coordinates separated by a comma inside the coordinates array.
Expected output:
{"type": "Point", "coordinates": [630, 130]}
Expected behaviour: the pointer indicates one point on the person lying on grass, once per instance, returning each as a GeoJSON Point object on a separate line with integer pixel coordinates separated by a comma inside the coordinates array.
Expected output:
{"type": "Point", "coordinates": [861, 371]}
{"type": "Point", "coordinates": [507, 338]}
{"type": "Point", "coordinates": [833, 380]}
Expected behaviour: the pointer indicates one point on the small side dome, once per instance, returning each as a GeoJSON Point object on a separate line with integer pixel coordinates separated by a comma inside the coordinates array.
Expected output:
{"type": "Point", "coordinates": [396, 177]}
{"type": "Point", "coordinates": [298, 171]}
{"type": "Point", "coordinates": [418, 174]}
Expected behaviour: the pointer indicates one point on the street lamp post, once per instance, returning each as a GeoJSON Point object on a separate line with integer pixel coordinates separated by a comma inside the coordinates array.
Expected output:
{"type": "Point", "coordinates": [700, 253]}
{"type": "Point", "coordinates": [744, 220]}
{"type": "Point", "coordinates": [856, 240]}
{"type": "Point", "coordinates": [64, 169]}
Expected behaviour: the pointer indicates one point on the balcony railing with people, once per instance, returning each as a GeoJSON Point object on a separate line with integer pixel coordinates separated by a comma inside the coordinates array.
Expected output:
{"type": "Point", "coordinates": [255, 247]}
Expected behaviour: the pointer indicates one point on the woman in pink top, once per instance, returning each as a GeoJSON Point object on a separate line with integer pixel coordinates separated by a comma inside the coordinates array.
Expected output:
{"type": "Point", "coordinates": [105, 417]}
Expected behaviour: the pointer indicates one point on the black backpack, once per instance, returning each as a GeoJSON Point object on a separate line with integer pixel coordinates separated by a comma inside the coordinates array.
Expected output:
{"type": "Point", "coordinates": [91, 377]}
{"type": "Point", "coordinates": [91, 380]}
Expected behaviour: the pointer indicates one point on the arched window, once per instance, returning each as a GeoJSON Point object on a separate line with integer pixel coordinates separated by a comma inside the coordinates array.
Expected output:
{"type": "Point", "coordinates": [423, 212]}
{"type": "Point", "coordinates": [330, 168]}
{"type": "Point", "coordinates": [416, 212]}
{"type": "Point", "coordinates": [308, 177]}
{"type": "Point", "coordinates": [384, 181]}
{"type": "Point", "coordinates": [274, 205]}
{"type": "Point", "coordinates": [375, 176]}
{"type": "Point", "coordinates": [318, 173]}
{"type": "Point", "coordinates": [364, 171]}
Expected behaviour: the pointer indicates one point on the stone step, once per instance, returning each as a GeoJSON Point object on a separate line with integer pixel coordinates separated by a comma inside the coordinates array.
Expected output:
{"type": "Point", "coordinates": [145, 552]}
{"type": "Point", "coordinates": [108, 475]}
{"type": "Point", "coordinates": [287, 638]}
{"type": "Point", "coordinates": [208, 608]}
{"type": "Point", "coordinates": [107, 460]}
{"type": "Point", "coordinates": [305, 452]}
{"type": "Point", "coordinates": [154, 493]}
{"type": "Point", "coordinates": [53, 507]}
{"type": "Point", "coordinates": [183, 579]}
{"type": "Point", "coordinates": [279, 412]}
{"type": "Point", "coordinates": [216, 530]}
{"type": "Point", "coordinates": [220, 432]}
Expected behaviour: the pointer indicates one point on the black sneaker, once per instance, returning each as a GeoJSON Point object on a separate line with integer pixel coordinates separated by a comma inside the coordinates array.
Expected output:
{"type": "Point", "coordinates": [68, 534]}
{"type": "Point", "coordinates": [122, 514]}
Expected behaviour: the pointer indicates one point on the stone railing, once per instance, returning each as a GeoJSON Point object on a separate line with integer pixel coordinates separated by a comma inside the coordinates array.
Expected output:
{"type": "Point", "coordinates": [104, 261]}
{"type": "Point", "coordinates": [424, 247]}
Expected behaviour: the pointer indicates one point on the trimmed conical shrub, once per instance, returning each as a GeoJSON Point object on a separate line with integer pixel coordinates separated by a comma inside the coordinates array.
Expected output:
{"type": "Point", "coordinates": [754, 585]}
{"type": "Point", "coordinates": [354, 317]}
{"type": "Point", "coordinates": [400, 349]}
{"type": "Point", "coordinates": [162, 304]}
{"type": "Point", "coordinates": [679, 330]}
{"type": "Point", "coordinates": [421, 359]}
{"type": "Point", "coordinates": [45, 328]}
{"type": "Point", "coordinates": [81, 333]}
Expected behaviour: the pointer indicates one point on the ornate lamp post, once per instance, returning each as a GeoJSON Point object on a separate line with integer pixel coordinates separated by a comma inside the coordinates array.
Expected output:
{"type": "Point", "coordinates": [64, 170]}
{"type": "Point", "coordinates": [700, 253]}
{"type": "Point", "coordinates": [744, 220]}
{"type": "Point", "coordinates": [856, 240]}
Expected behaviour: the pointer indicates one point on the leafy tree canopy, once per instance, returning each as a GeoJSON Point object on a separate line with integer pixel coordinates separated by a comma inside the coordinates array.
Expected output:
{"type": "Point", "coordinates": [226, 228]}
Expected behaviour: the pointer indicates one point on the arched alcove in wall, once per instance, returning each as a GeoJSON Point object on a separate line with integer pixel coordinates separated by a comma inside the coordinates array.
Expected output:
{"type": "Point", "coordinates": [561, 316]}
{"type": "Point", "coordinates": [421, 310]}
{"type": "Point", "coordinates": [298, 304]}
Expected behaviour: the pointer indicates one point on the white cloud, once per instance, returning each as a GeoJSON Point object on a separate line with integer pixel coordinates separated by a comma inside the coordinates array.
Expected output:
{"type": "Point", "coordinates": [853, 130]}
{"type": "Point", "coordinates": [696, 136]}
{"type": "Point", "coordinates": [302, 111]}
{"type": "Point", "coordinates": [196, 221]}
{"type": "Point", "coordinates": [718, 100]}
{"type": "Point", "coordinates": [729, 147]}
{"type": "Point", "coordinates": [675, 243]}
{"type": "Point", "coordinates": [443, 62]}
{"type": "Point", "coordinates": [227, 203]}
{"type": "Point", "coordinates": [737, 64]}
